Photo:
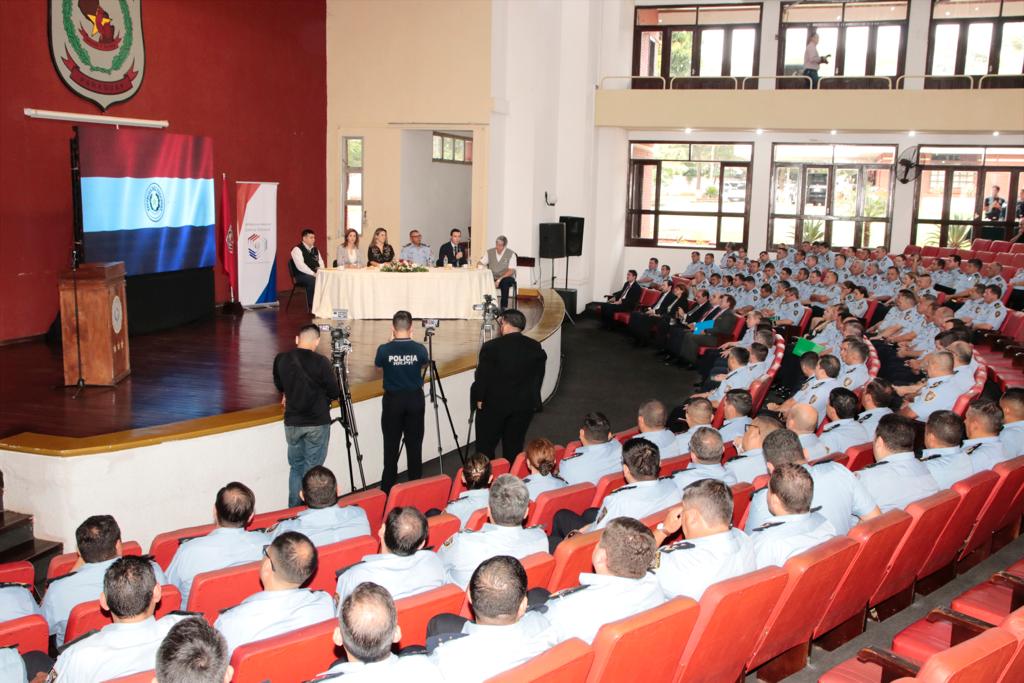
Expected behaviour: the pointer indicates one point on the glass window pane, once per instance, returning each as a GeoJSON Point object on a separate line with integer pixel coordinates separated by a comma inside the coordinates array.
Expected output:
{"type": "Point", "coordinates": [784, 231]}
{"type": "Point", "coordinates": [828, 39]}
{"type": "Point", "coordinates": [650, 54]}
{"type": "Point", "coordinates": [460, 150]}
{"type": "Point", "coordinates": [1004, 156]}
{"type": "Point", "coordinates": [812, 230]}
{"type": "Point", "coordinates": [648, 175]}
{"type": "Point", "coordinates": [677, 16]}
{"type": "Point", "coordinates": [959, 236]}
{"type": "Point", "coordinates": [873, 234]}
{"type": "Point", "coordinates": [687, 231]}
{"type": "Point", "coordinates": [689, 186]}
{"type": "Point", "coordinates": [876, 192]}
{"type": "Point", "coordinates": [875, 11]}
{"type": "Point", "coordinates": [354, 191]}
{"type": "Point", "coordinates": [354, 217]}
{"type": "Point", "coordinates": [682, 54]}
{"type": "Point", "coordinates": [927, 235]}
{"type": "Point", "coordinates": [721, 152]}
{"type": "Point", "coordinates": [787, 189]}
{"type": "Point", "coordinates": [865, 154]}
{"type": "Point", "coordinates": [1011, 52]}
{"type": "Point", "coordinates": [438, 147]}
{"type": "Point", "coordinates": [887, 50]}
{"type": "Point", "coordinates": [943, 52]}
{"type": "Point", "coordinates": [855, 61]}
{"type": "Point", "coordinates": [647, 16]}
{"type": "Point", "coordinates": [1013, 8]}
{"type": "Point", "coordinates": [820, 153]}
{"type": "Point", "coordinates": [842, 234]}
{"type": "Point", "coordinates": [812, 13]}
{"type": "Point", "coordinates": [732, 229]}
{"type": "Point", "coordinates": [979, 44]}
{"type": "Point", "coordinates": [734, 191]}
{"type": "Point", "coordinates": [742, 53]}
{"type": "Point", "coordinates": [932, 186]}
{"type": "Point", "coordinates": [354, 149]}
{"type": "Point", "coordinates": [740, 14]}
{"type": "Point", "coordinates": [952, 156]}
{"type": "Point", "coordinates": [845, 203]}
{"type": "Point", "coordinates": [469, 151]}
{"type": "Point", "coordinates": [965, 191]}
{"type": "Point", "coordinates": [659, 150]}
{"type": "Point", "coordinates": [711, 44]}
{"type": "Point", "coordinates": [995, 205]}
{"type": "Point", "coordinates": [965, 9]}
{"type": "Point", "coordinates": [643, 226]}
{"type": "Point", "coordinates": [816, 192]}
{"type": "Point", "coordinates": [449, 149]}
{"type": "Point", "coordinates": [796, 43]}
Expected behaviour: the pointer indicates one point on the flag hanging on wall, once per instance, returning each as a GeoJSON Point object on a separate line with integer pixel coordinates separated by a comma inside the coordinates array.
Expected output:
{"type": "Point", "coordinates": [228, 241]}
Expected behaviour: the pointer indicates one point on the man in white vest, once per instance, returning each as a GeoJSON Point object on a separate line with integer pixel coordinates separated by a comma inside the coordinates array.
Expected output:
{"type": "Point", "coordinates": [502, 263]}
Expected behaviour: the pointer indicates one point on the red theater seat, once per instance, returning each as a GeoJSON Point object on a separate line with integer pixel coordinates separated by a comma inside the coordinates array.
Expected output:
{"type": "Point", "coordinates": [265, 520]}
{"type": "Point", "coordinates": [28, 634]}
{"type": "Point", "coordinates": [741, 493]}
{"type": "Point", "coordinates": [812, 579]}
{"type": "Point", "coordinates": [981, 245]}
{"type": "Point", "coordinates": [519, 467]}
{"type": "Point", "coordinates": [416, 610]}
{"type": "Point", "coordinates": [672, 465]}
{"type": "Point", "coordinates": [573, 557]}
{"type": "Point", "coordinates": [732, 617]}
{"type": "Point", "coordinates": [993, 600]}
{"type": "Point", "coordinates": [477, 519]}
{"type": "Point", "coordinates": [17, 572]}
{"type": "Point", "coordinates": [442, 527]}
{"type": "Point", "coordinates": [372, 501]}
{"type": "Point", "coordinates": [213, 591]}
{"type": "Point", "coordinates": [979, 544]}
{"type": "Point", "coordinates": [499, 466]}
{"type": "Point", "coordinates": [333, 558]}
{"type": "Point", "coordinates": [859, 457]}
{"type": "Point", "coordinates": [539, 568]}
{"type": "Point", "coordinates": [88, 616]}
{"type": "Point", "coordinates": [62, 564]}
{"type": "Point", "coordinates": [567, 662]}
{"type": "Point", "coordinates": [577, 498]}
{"type": "Point", "coordinates": [943, 628]}
{"type": "Point", "coordinates": [294, 656]}
{"type": "Point", "coordinates": [423, 494]}
{"type": "Point", "coordinates": [606, 485]}
{"type": "Point", "coordinates": [999, 246]}
{"type": "Point", "coordinates": [626, 435]}
{"type": "Point", "coordinates": [166, 544]}
{"type": "Point", "coordinates": [655, 638]}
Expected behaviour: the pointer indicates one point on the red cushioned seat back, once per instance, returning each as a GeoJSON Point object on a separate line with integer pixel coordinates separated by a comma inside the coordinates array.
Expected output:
{"type": "Point", "coordinates": [741, 493]}
{"type": "Point", "coordinates": [477, 519]}
{"type": "Point", "coordinates": [573, 556]}
{"type": "Point", "coordinates": [973, 492]}
{"type": "Point", "coordinates": [980, 244]}
{"type": "Point", "coordinates": [1017, 248]}
{"type": "Point", "coordinates": [166, 544]}
{"type": "Point", "coordinates": [653, 639]}
{"type": "Point", "coordinates": [812, 579]}
{"type": "Point", "coordinates": [999, 246]}
{"type": "Point", "coordinates": [265, 520]}
{"type": "Point", "coordinates": [1014, 511]}
{"type": "Point", "coordinates": [929, 517]}
{"type": "Point", "coordinates": [61, 565]}
{"type": "Point", "coordinates": [499, 466]}
{"type": "Point", "coordinates": [89, 616]}
{"type": "Point", "coordinates": [294, 656]}
{"type": "Point", "coordinates": [878, 539]}
{"type": "Point", "coordinates": [758, 392]}
{"type": "Point", "coordinates": [213, 591]}
{"type": "Point", "coordinates": [1011, 478]}
{"type": "Point", "coordinates": [719, 417]}
{"type": "Point", "coordinates": [416, 610]}
{"type": "Point", "coordinates": [539, 567]}
{"type": "Point", "coordinates": [566, 451]}
{"type": "Point", "coordinates": [1005, 259]}
{"type": "Point", "coordinates": [732, 617]}
{"type": "Point", "coordinates": [18, 572]}
{"type": "Point", "coordinates": [606, 485]}
{"type": "Point", "coordinates": [804, 321]}
{"type": "Point", "coordinates": [859, 457]}
{"type": "Point", "coordinates": [626, 434]}
{"type": "Point", "coordinates": [1014, 625]}
{"type": "Point", "coordinates": [728, 452]}
{"type": "Point", "coordinates": [440, 528]}
{"type": "Point", "coordinates": [372, 501]}
{"type": "Point", "coordinates": [672, 465]}
{"type": "Point", "coordinates": [333, 558]}
{"type": "Point", "coordinates": [577, 497]}
{"type": "Point", "coordinates": [982, 658]}
{"type": "Point", "coordinates": [567, 662]}
{"type": "Point", "coordinates": [423, 494]}
{"type": "Point", "coordinates": [29, 633]}
{"type": "Point", "coordinates": [519, 467]}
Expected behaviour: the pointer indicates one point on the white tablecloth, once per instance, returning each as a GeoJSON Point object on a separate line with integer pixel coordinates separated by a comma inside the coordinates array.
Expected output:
{"type": "Point", "coordinates": [369, 293]}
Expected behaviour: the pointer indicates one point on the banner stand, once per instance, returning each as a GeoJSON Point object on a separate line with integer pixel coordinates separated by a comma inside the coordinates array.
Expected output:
{"type": "Point", "coordinates": [256, 207]}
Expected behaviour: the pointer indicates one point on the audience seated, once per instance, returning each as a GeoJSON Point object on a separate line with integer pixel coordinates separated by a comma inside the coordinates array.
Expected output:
{"type": "Point", "coordinates": [226, 546]}
{"type": "Point", "coordinates": [938, 392]}
{"type": "Point", "coordinates": [843, 430]}
{"type": "Point", "coordinates": [282, 606]}
{"type": "Point", "coordinates": [599, 455]}
{"type": "Point", "coordinates": [736, 414]}
{"type": "Point", "coordinates": [652, 421]}
{"type": "Point", "coordinates": [793, 528]}
{"type": "Point", "coordinates": [699, 413]}
{"type": "Point", "coordinates": [323, 522]}
{"type": "Point", "coordinates": [405, 566]}
{"type": "Point", "coordinates": [749, 463]}
{"type": "Point", "coordinates": [879, 399]}
{"type": "Point", "coordinates": [706, 449]}
{"type": "Point", "coordinates": [943, 452]}
{"type": "Point", "coordinates": [193, 652]}
{"type": "Point", "coordinates": [854, 354]}
{"type": "Point", "coordinates": [896, 478]}
{"type": "Point", "coordinates": [540, 460]}
{"type": "Point", "coordinates": [983, 421]}
{"type": "Point", "coordinates": [1012, 436]}
{"type": "Point", "coordinates": [476, 475]}
{"type": "Point", "coordinates": [16, 601]}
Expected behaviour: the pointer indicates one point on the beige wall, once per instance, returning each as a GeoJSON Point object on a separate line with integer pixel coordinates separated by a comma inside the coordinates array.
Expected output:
{"type": "Point", "coordinates": [394, 64]}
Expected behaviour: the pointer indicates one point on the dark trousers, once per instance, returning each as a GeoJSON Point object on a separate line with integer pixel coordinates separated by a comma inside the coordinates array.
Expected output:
{"type": "Point", "coordinates": [402, 417]}
{"type": "Point", "coordinates": [892, 367]}
{"type": "Point", "coordinates": [789, 375]}
{"type": "Point", "coordinates": [505, 286]}
{"type": "Point", "coordinates": [710, 364]}
{"type": "Point", "coordinates": [567, 521]}
{"type": "Point", "coordinates": [1016, 301]}
{"type": "Point", "coordinates": [641, 325]}
{"type": "Point", "coordinates": [608, 310]}
{"type": "Point", "coordinates": [507, 427]}
{"type": "Point", "coordinates": [309, 282]}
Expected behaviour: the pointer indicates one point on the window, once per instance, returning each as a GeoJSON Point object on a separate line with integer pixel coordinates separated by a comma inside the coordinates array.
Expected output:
{"type": "Point", "coordinates": [840, 194]}
{"type": "Point", "coordinates": [452, 148]}
{"type": "Point", "coordinates": [688, 195]}
{"type": "Point", "coordinates": [957, 195]}
{"type": "Point", "coordinates": [710, 41]}
{"type": "Point", "coordinates": [860, 39]}
{"type": "Point", "coordinates": [352, 183]}
{"type": "Point", "coordinates": [976, 39]}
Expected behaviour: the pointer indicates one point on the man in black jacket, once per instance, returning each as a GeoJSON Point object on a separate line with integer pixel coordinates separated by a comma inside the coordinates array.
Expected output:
{"type": "Point", "coordinates": [724, 324]}
{"type": "Point", "coordinates": [451, 252]}
{"type": "Point", "coordinates": [308, 383]}
{"type": "Point", "coordinates": [625, 299]}
{"type": "Point", "coordinates": [506, 389]}
{"type": "Point", "coordinates": [641, 323]}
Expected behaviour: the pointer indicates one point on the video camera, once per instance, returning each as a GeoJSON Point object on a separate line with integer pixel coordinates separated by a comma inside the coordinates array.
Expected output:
{"type": "Point", "coordinates": [430, 325]}
{"type": "Point", "coordinates": [490, 311]}
{"type": "Point", "coordinates": [341, 342]}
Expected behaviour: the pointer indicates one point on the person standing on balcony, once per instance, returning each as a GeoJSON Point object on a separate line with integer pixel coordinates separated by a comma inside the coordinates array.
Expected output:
{"type": "Point", "coordinates": [812, 60]}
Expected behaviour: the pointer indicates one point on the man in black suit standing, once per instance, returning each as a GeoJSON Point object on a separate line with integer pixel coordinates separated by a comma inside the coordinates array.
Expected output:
{"type": "Point", "coordinates": [625, 299]}
{"type": "Point", "coordinates": [451, 252]}
{"type": "Point", "coordinates": [506, 387]}
{"type": "Point", "coordinates": [642, 322]}
{"type": "Point", "coordinates": [725, 322]}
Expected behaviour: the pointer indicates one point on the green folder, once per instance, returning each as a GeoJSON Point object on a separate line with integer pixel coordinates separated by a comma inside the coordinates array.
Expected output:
{"type": "Point", "coordinates": [803, 345]}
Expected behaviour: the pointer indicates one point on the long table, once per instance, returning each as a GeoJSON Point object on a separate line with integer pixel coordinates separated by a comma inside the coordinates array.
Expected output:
{"type": "Point", "coordinates": [367, 293]}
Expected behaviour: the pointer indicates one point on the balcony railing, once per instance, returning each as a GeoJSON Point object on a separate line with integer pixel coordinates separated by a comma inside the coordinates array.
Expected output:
{"type": "Point", "coordinates": [801, 82]}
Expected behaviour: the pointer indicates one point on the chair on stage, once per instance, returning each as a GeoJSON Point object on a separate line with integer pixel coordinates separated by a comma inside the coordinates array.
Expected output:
{"type": "Point", "coordinates": [292, 272]}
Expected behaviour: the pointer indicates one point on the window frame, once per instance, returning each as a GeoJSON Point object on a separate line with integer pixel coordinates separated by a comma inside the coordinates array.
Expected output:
{"type": "Point", "coordinates": [964, 23]}
{"type": "Point", "coordinates": [346, 170]}
{"type": "Point", "coordinates": [829, 217]}
{"type": "Point", "coordinates": [467, 146]}
{"type": "Point", "coordinates": [633, 215]}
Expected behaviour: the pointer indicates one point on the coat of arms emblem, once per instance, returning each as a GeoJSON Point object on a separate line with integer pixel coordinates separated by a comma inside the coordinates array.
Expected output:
{"type": "Point", "coordinates": [97, 48]}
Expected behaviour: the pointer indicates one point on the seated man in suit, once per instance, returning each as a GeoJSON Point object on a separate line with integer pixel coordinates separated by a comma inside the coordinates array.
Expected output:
{"type": "Point", "coordinates": [451, 252]}
{"type": "Point", "coordinates": [724, 323]}
{"type": "Point", "coordinates": [642, 322]}
{"type": "Point", "coordinates": [672, 324]}
{"type": "Point", "coordinates": [623, 300]}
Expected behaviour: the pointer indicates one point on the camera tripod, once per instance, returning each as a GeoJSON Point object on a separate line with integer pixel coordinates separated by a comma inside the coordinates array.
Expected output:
{"type": "Point", "coordinates": [347, 418]}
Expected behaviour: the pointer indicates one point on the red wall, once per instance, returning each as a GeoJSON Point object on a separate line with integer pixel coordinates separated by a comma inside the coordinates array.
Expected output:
{"type": "Point", "coordinates": [251, 74]}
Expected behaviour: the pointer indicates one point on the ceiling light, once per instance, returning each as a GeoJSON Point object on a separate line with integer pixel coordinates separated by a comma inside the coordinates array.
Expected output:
{"type": "Point", "coordinates": [912, 133]}
{"type": "Point", "coordinates": [995, 133]}
{"type": "Point", "coordinates": [833, 131]}
{"type": "Point", "coordinates": [690, 130]}
{"type": "Point", "coordinates": [758, 131]}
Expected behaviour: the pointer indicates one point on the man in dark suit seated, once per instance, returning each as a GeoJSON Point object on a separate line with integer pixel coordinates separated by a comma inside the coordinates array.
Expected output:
{"type": "Point", "coordinates": [641, 323]}
{"type": "Point", "coordinates": [625, 299]}
{"type": "Point", "coordinates": [678, 315]}
{"type": "Point", "coordinates": [686, 344]}
{"type": "Point", "coordinates": [506, 387]}
{"type": "Point", "coordinates": [682, 323]}
{"type": "Point", "coordinates": [451, 252]}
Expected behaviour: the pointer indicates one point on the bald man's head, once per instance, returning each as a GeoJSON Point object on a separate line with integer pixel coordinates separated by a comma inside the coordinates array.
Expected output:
{"type": "Point", "coordinates": [293, 558]}
{"type": "Point", "coordinates": [940, 363]}
{"type": "Point", "coordinates": [802, 419]}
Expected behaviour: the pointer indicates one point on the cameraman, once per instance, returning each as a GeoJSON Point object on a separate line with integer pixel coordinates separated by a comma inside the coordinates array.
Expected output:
{"type": "Point", "coordinates": [308, 383]}
{"type": "Point", "coordinates": [402, 407]}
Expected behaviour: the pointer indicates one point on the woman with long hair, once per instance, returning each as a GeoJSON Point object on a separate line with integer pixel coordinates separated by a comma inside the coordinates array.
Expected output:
{"type": "Point", "coordinates": [348, 255]}
{"type": "Point", "coordinates": [380, 251]}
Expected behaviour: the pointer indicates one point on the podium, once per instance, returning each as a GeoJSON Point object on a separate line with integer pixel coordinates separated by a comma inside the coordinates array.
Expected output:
{"type": "Point", "coordinates": [102, 323]}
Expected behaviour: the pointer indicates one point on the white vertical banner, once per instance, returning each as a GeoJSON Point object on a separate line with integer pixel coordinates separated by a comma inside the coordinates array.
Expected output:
{"type": "Point", "coordinates": [256, 208]}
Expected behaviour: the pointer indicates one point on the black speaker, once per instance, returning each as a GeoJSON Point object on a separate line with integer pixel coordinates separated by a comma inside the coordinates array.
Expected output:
{"type": "Point", "coordinates": [552, 240]}
{"type": "Point", "coordinates": [569, 297]}
{"type": "Point", "coordinates": [573, 235]}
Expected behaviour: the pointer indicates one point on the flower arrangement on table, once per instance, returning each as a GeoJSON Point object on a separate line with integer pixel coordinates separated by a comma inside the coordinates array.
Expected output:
{"type": "Point", "coordinates": [402, 266]}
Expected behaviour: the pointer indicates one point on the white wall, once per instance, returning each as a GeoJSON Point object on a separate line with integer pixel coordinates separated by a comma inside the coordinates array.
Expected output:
{"type": "Point", "coordinates": [435, 196]}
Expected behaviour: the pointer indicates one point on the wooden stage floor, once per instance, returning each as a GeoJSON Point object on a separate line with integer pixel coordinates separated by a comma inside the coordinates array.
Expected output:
{"type": "Point", "coordinates": [215, 366]}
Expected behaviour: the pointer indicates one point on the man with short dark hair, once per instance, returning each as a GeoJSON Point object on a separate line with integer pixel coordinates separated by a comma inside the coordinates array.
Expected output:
{"type": "Point", "coordinates": [793, 528]}
{"type": "Point", "coordinates": [984, 421]}
{"type": "Point", "coordinates": [598, 455]}
{"type": "Point", "coordinates": [1012, 434]}
{"type": "Point", "coordinates": [502, 635]}
{"type": "Point", "coordinates": [193, 652]}
{"type": "Point", "coordinates": [738, 405]}
{"type": "Point", "coordinates": [282, 606]}
{"type": "Point", "coordinates": [367, 629]}
{"type": "Point", "coordinates": [724, 323]}
{"type": "Point", "coordinates": [896, 478]}
{"type": "Point", "coordinates": [698, 412]}
{"type": "Point", "coordinates": [323, 521]}
{"type": "Point", "coordinates": [506, 387]}
{"type": "Point", "coordinates": [226, 546]}
{"type": "Point", "coordinates": [652, 421]}
{"type": "Point", "coordinates": [401, 417]}
{"type": "Point", "coordinates": [99, 545]}
{"type": "Point", "coordinates": [305, 261]}
{"type": "Point", "coordinates": [451, 253]}
{"type": "Point", "coordinates": [129, 645]}
{"type": "Point", "coordinates": [843, 430]}
{"type": "Point", "coordinates": [749, 462]}
{"type": "Point", "coordinates": [405, 566]}
{"type": "Point", "coordinates": [624, 300]}
{"type": "Point", "coordinates": [308, 385]}
{"type": "Point", "coordinates": [943, 452]}
{"type": "Point", "coordinates": [706, 450]}
{"type": "Point", "coordinates": [619, 587]}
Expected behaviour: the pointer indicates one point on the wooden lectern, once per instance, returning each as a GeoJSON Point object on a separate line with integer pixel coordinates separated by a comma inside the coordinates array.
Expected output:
{"type": "Point", "coordinates": [102, 323]}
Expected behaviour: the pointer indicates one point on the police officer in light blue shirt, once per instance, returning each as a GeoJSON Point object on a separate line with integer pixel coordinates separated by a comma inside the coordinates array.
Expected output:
{"type": "Point", "coordinates": [415, 251]}
{"type": "Point", "coordinates": [226, 546]}
{"type": "Point", "coordinates": [405, 566]}
{"type": "Point", "coordinates": [599, 454]}
{"type": "Point", "coordinates": [802, 419]}
{"type": "Point", "coordinates": [793, 528]}
{"type": "Point", "coordinates": [699, 413]}
{"type": "Point", "coordinates": [476, 476]}
{"type": "Point", "coordinates": [99, 545]}
{"type": "Point", "coordinates": [540, 460]}
{"type": "Point", "coordinates": [854, 354]}
{"type": "Point", "coordinates": [16, 601]}
{"type": "Point", "coordinates": [984, 420]}
{"type": "Point", "coordinates": [323, 522]}
{"type": "Point", "coordinates": [843, 430]}
{"type": "Point", "coordinates": [749, 462]}
{"type": "Point", "coordinates": [897, 478]}
{"type": "Point", "coordinates": [12, 666]}
{"type": "Point", "coordinates": [1012, 434]}
{"type": "Point", "coordinates": [943, 453]}
{"type": "Point", "coordinates": [282, 606]}
{"type": "Point", "coordinates": [939, 391]}
{"type": "Point", "coordinates": [706, 449]}
{"type": "Point", "coordinates": [652, 417]}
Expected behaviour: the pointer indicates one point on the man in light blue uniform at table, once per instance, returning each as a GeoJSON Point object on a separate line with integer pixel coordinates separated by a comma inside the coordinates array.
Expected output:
{"type": "Point", "coordinates": [226, 546]}
{"type": "Point", "coordinates": [323, 522]}
{"type": "Point", "coordinates": [943, 452]}
{"type": "Point", "coordinates": [792, 528]}
{"type": "Point", "coordinates": [415, 251]}
{"type": "Point", "coordinates": [99, 545]}
{"type": "Point", "coordinates": [897, 478]}
{"type": "Point", "coordinates": [706, 449]}
{"type": "Point", "coordinates": [599, 454]}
